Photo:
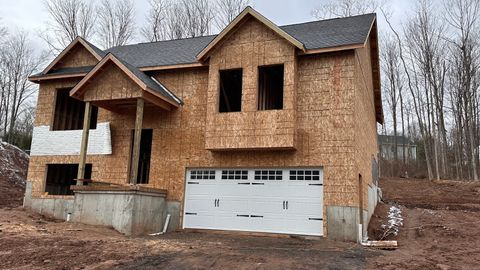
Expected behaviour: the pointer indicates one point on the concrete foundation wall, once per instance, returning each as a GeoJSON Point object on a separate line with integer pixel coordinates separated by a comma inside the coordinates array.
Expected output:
{"type": "Point", "coordinates": [131, 213]}
{"type": "Point", "coordinates": [342, 223]}
{"type": "Point", "coordinates": [53, 207]}
{"type": "Point", "coordinates": [372, 200]}
{"type": "Point", "coordinates": [173, 208]}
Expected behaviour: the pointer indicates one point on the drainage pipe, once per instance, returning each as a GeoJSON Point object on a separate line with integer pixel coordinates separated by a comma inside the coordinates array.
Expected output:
{"type": "Point", "coordinates": [165, 227]}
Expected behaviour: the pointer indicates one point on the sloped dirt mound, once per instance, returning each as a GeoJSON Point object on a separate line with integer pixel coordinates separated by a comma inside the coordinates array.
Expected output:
{"type": "Point", "coordinates": [441, 221]}
{"type": "Point", "coordinates": [13, 175]}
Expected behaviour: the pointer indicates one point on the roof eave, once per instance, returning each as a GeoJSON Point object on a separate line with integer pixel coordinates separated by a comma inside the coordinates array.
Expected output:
{"type": "Point", "coordinates": [37, 79]}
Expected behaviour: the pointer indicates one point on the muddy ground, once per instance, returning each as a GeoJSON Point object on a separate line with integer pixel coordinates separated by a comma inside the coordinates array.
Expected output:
{"type": "Point", "coordinates": [441, 231]}
{"type": "Point", "coordinates": [441, 225]}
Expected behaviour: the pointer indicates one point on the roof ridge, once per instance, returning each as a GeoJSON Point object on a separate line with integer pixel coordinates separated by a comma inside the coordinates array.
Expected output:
{"type": "Point", "coordinates": [160, 41]}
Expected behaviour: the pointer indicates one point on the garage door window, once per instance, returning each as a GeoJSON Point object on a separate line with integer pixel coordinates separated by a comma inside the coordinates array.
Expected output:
{"type": "Point", "coordinates": [307, 175]}
{"type": "Point", "coordinates": [235, 175]}
{"type": "Point", "coordinates": [202, 174]}
{"type": "Point", "coordinates": [268, 175]}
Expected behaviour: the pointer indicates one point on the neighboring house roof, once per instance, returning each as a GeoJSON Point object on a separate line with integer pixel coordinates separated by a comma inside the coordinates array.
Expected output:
{"type": "Point", "coordinates": [145, 82]}
{"type": "Point", "coordinates": [390, 139]}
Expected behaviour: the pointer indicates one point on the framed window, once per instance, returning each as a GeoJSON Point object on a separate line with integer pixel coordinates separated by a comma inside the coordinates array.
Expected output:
{"type": "Point", "coordinates": [69, 112]}
{"type": "Point", "coordinates": [230, 90]}
{"type": "Point", "coordinates": [270, 87]}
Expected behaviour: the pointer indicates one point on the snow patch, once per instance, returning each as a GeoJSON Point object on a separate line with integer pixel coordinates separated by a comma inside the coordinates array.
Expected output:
{"type": "Point", "coordinates": [13, 164]}
{"type": "Point", "coordinates": [395, 220]}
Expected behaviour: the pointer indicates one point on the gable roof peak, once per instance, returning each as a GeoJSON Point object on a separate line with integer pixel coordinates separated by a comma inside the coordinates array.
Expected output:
{"type": "Point", "coordinates": [249, 11]}
{"type": "Point", "coordinates": [96, 52]}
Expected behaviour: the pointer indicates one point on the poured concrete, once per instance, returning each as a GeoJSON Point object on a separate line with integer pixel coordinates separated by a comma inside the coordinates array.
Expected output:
{"type": "Point", "coordinates": [173, 208]}
{"type": "Point", "coordinates": [131, 210]}
{"type": "Point", "coordinates": [53, 207]}
{"type": "Point", "coordinates": [342, 223]}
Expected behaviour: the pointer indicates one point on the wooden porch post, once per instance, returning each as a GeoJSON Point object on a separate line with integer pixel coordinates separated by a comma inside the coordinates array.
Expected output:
{"type": "Point", "coordinates": [84, 145]}
{"type": "Point", "coordinates": [136, 141]}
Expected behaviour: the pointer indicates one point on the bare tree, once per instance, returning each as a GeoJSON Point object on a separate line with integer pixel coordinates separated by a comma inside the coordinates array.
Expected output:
{"type": "Point", "coordinates": [3, 32]}
{"type": "Point", "coordinates": [17, 62]}
{"type": "Point", "coordinates": [198, 17]}
{"type": "Point", "coordinates": [227, 10]}
{"type": "Point", "coordinates": [154, 29]}
{"type": "Point", "coordinates": [68, 19]}
{"type": "Point", "coordinates": [116, 24]}
{"type": "Point", "coordinates": [344, 8]}
{"type": "Point", "coordinates": [392, 83]}
{"type": "Point", "coordinates": [188, 18]}
{"type": "Point", "coordinates": [462, 16]}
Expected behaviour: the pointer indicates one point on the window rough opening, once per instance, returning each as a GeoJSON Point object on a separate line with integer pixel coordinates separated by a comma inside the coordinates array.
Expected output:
{"type": "Point", "coordinates": [230, 90]}
{"type": "Point", "coordinates": [270, 87]}
{"type": "Point", "coordinates": [69, 112]}
{"type": "Point", "coordinates": [61, 176]}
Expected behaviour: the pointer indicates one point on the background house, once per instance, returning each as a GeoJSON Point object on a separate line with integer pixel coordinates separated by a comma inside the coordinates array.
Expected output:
{"type": "Point", "coordinates": [405, 146]}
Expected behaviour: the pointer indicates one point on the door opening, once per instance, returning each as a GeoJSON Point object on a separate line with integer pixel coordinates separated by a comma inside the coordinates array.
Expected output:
{"type": "Point", "coordinates": [145, 155]}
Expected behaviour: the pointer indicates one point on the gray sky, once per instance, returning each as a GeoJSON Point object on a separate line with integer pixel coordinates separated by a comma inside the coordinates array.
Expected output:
{"type": "Point", "coordinates": [30, 15]}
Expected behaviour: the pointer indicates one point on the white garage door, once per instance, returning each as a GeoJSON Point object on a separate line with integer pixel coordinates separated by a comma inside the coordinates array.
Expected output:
{"type": "Point", "coordinates": [261, 200]}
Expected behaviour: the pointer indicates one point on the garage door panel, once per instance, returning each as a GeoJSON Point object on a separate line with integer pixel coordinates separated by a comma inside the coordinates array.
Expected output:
{"type": "Point", "coordinates": [304, 206]}
{"type": "Point", "coordinates": [233, 221]}
{"type": "Point", "coordinates": [232, 204]}
{"type": "Point", "coordinates": [304, 224]}
{"type": "Point", "coordinates": [233, 188]}
{"type": "Point", "coordinates": [199, 220]}
{"type": "Point", "coordinates": [198, 203]}
{"type": "Point", "coordinates": [263, 206]}
{"type": "Point", "coordinates": [268, 222]}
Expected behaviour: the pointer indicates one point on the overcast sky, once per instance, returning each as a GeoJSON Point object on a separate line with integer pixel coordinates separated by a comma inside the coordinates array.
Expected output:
{"type": "Point", "coordinates": [30, 15]}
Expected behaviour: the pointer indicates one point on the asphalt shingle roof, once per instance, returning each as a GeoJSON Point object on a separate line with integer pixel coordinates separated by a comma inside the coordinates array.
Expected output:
{"type": "Point", "coordinates": [67, 70]}
{"type": "Point", "coordinates": [314, 35]}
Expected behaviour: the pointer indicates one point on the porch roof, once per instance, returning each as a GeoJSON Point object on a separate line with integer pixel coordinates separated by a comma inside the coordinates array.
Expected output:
{"type": "Point", "coordinates": [145, 82]}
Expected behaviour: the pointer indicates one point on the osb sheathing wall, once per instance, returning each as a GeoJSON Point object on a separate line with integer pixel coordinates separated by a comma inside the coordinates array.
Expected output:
{"type": "Point", "coordinates": [251, 45]}
{"type": "Point", "coordinates": [78, 56]}
{"type": "Point", "coordinates": [366, 147]}
{"type": "Point", "coordinates": [110, 84]}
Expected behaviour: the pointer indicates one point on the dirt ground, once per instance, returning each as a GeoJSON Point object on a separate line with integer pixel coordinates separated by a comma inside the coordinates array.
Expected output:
{"type": "Point", "coordinates": [30, 241]}
{"type": "Point", "coordinates": [441, 227]}
{"type": "Point", "coordinates": [441, 231]}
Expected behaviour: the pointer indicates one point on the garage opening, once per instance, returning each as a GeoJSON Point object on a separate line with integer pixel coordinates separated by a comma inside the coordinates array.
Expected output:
{"type": "Point", "coordinates": [270, 87]}
{"type": "Point", "coordinates": [145, 155]}
{"type": "Point", "coordinates": [61, 176]}
{"type": "Point", "coordinates": [230, 90]}
{"type": "Point", "coordinates": [69, 112]}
